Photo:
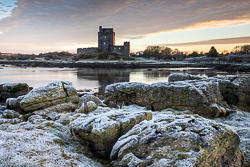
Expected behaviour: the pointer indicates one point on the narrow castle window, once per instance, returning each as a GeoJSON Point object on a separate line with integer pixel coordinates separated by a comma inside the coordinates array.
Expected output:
{"type": "Point", "coordinates": [105, 36]}
{"type": "Point", "coordinates": [104, 43]}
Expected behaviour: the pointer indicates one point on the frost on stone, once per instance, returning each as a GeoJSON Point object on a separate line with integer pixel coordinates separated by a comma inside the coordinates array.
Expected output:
{"type": "Point", "coordinates": [170, 140]}
{"type": "Point", "coordinates": [101, 131]}
{"type": "Point", "coordinates": [36, 144]}
{"type": "Point", "coordinates": [240, 122]}
{"type": "Point", "coordinates": [46, 96]}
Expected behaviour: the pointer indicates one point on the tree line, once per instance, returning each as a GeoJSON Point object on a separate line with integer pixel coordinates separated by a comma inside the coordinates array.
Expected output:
{"type": "Point", "coordinates": [161, 52]}
{"type": "Point", "coordinates": [165, 53]}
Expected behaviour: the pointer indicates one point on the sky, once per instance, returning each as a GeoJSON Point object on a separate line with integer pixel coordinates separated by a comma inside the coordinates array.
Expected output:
{"type": "Point", "coordinates": [39, 26]}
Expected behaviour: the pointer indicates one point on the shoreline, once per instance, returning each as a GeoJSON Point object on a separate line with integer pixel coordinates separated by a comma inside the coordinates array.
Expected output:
{"type": "Point", "coordinates": [127, 64]}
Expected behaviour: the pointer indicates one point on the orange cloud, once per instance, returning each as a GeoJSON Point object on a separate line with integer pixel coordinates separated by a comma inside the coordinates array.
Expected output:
{"type": "Point", "coordinates": [238, 40]}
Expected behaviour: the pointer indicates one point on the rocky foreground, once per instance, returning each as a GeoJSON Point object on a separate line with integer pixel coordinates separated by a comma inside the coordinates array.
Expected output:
{"type": "Point", "coordinates": [189, 121]}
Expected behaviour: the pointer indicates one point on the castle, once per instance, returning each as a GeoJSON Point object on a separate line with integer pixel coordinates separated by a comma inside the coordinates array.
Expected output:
{"type": "Point", "coordinates": [106, 43]}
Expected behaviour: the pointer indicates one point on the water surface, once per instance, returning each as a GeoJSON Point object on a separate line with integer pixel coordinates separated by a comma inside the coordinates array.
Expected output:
{"type": "Point", "coordinates": [88, 78]}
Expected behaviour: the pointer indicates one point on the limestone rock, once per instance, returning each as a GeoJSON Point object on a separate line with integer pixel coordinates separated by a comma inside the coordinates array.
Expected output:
{"type": "Point", "coordinates": [90, 106]}
{"type": "Point", "coordinates": [169, 140]}
{"type": "Point", "coordinates": [10, 121]}
{"type": "Point", "coordinates": [64, 119]}
{"type": "Point", "coordinates": [240, 121]}
{"type": "Point", "coordinates": [182, 77]}
{"type": "Point", "coordinates": [14, 103]}
{"type": "Point", "coordinates": [33, 144]}
{"type": "Point", "coordinates": [100, 132]}
{"type": "Point", "coordinates": [89, 103]}
{"type": "Point", "coordinates": [13, 90]}
{"type": "Point", "coordinates": [87, 97]}
{"type": "Point", "coordinates": [81, 109]}
{"type": "Point", "coordinates": [127, 93]}
{"type": "Point", "coordinates": [36, 119]}
{"type": "Point", "coordinates": [10, 114]}
{"type": "Point", "coordinates": [52, 94]}
{"type": "Point", "coordinates": [53, 112]}
{"type": "Point", "coordinates": [236, 90]}
{"type": "Point", "coordinates": [195, 95]}
{"type": "Point", "coordinates": [1, 109]}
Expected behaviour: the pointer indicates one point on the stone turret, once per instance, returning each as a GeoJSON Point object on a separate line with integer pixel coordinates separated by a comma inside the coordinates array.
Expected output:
{"type": "Point", "coordinates": [126, 48]}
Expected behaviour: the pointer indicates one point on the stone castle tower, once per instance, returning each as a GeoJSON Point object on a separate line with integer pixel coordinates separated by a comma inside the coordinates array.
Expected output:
{"type": "Point", "coordinates": [106, 42]}
{"type": "Point", "coordinates": [106, 39]}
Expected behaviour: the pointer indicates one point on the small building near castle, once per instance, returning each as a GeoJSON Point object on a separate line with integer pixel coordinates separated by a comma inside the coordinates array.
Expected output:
{"type": "Point", "coordinates": [106, 43]}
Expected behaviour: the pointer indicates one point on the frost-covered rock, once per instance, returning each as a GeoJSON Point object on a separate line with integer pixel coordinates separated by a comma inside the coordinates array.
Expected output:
{"type": "Point", "coordinates": [10, 121]}
{"type": "Point", "coordinates": [90, 106]}
{"type": "Point", "coordinates": [37, 144]}
{"type": "Point", "coordinates": [10, 114]}
{"type": "Point", "coordinates": [81, 109]}
{"type": "Point", "coordinates": [52, 94]}
{"type": "Point", "coordinates": [54, 112]}
{"type": "Point", "coordinates": [13, 90]}
{"type": "Point", "coordinates": [240, 121]}
{"type": "Point", "coordinates": [127, 93]}
{"type": "Point", "coordinates": [87, 97]}
{"type": "Point", "coordinates": [14, 103]}
{"type": "Point", "coordinates": [236, 90]}
{"type": "Point", "coordinates": [64, 119]}
{"type": "Point", "coordinates": [100, 132]}
{"type": "Point", "coordinates": [195, 95]}
{"type": "Point", "coordinates": [89, 103]}
{"type": "Point", "coordinates": [169, 140]}
{"type": "Point", "coordinates": [182, 77]}
{"type": "Point", "coordinates": [1, 109]}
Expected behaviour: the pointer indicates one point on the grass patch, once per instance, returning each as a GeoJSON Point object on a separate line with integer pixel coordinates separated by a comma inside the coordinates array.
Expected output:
{"type": "Point", "coordinates": [102, 56]}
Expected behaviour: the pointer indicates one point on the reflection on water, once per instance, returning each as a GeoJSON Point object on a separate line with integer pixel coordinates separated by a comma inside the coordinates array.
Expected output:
{"type": "Point", "coordinates": [94, 78]}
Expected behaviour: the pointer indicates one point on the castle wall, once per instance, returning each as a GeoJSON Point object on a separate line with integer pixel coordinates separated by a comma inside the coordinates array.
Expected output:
{"type": "Point", "coordinates": [118, 49]}
{"type": "Point", "coordinates": [86, 50]}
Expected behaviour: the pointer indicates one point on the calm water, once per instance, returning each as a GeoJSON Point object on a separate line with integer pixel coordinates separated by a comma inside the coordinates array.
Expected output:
{"type": "Point", "coordinates": [94, 78]}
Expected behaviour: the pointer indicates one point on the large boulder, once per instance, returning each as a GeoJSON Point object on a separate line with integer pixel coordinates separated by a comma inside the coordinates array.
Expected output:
{"type": "Point", "coordinates": [185, 140]}
{"type": "Point", "coordinates": [202, 97]}
{"type": "Point", "coordinates": [236, 90]}
{"type": "Point", "coordinates": [193, 95]}
{"type": "Point", "coordinates": [127, 93]}
{"type": "Point", "coordinates": [100, 132]}
{"type": "Point", "coordinates": [52, 94]}
{"type": "Point", "coordinates": [13, 90]}
{"type": "Point", "coordinates": [240, 121]}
